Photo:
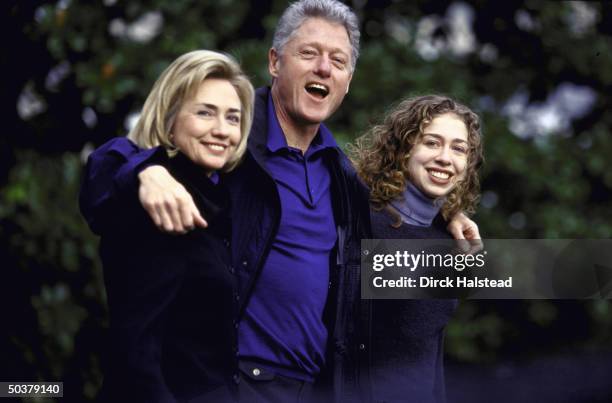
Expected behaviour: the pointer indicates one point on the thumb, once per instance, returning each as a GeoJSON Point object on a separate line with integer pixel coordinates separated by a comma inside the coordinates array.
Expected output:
{"type": "Point", "coordinates": [476, 245]}
{"type": "Point", "coordinates": [456, 231]}
{"type": "Point", "coordinates": [198, 220]}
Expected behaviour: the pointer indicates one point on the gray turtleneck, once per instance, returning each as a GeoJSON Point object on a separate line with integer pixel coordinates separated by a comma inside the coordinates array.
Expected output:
{"type": "Point", "coordinates": [415, 208]}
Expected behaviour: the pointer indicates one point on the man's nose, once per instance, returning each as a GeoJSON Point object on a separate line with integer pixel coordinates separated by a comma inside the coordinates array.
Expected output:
{"type": "Point", "coordinates": [323, 67]}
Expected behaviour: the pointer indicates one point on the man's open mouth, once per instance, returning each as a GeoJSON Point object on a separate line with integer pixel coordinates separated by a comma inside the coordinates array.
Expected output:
{"type": "Point", "coordinates": [318, 90]}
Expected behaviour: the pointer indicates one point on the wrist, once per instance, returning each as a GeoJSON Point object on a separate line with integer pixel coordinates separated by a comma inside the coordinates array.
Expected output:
{"type": "Point", "coordinates": [150, 171]}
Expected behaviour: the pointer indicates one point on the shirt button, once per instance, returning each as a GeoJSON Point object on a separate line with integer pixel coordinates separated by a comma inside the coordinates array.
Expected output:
{"type": "Point", "coordinates": [256, 372]}
{"type": "Point", "coordinates": [245, 263]}
{"type": "Point", "coordinates": [235, 324]}
{"type": "Point", "coordinates": [237, 297]}
{"type": "Point", "coordinates": [226, 242]}
{"type": "Point", "coordinates": [231, 269]}
{"type": "Point", "coordinates": [236, 379]}
{"type": "Point", "coordinates": [362, 346]}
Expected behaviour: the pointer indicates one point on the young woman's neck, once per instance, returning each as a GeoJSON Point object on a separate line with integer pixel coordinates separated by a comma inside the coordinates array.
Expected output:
{"type": "Point", "coordinates": [416, 208]}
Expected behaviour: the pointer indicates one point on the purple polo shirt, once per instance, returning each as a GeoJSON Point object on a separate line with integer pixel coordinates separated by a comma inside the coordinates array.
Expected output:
{"type": "Point", "coordinates": [283, 326]}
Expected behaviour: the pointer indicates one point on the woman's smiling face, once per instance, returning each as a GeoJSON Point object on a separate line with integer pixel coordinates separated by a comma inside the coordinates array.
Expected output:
{"type": "Point", "coordinates": [439, 159]}
{"type": "Point", "coordinates": [207, 127]}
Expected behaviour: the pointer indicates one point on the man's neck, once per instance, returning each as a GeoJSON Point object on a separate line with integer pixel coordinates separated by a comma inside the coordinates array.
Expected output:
{"type": "Point", "coordinates": [297, 135]}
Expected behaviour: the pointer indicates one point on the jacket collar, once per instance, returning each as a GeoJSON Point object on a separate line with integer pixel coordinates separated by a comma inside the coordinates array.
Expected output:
{"type": "Point", "coordinates": [258, 137]}
{"type": "Point", "coordinates": [209, 197]}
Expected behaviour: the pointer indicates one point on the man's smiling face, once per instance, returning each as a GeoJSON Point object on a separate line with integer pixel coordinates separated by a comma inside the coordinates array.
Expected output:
{"type": "Point", "coordinates": [312, 72]}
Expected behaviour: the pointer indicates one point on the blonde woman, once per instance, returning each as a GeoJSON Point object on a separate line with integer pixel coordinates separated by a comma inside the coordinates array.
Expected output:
{"type": "Point", "coordinates": [172, 297]}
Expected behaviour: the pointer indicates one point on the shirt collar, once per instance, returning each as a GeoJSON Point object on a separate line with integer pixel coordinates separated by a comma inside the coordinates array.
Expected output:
{"type": "Point", "coordinates": [277, 141]}
{"type": "Point", "coordinates": [416, 208]}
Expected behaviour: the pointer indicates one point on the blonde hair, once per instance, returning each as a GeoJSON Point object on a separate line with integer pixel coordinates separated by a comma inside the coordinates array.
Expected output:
{"type": "Point", "coordinates": [381, 156]}
{"type": "Point", "coordinates": [179, 82]}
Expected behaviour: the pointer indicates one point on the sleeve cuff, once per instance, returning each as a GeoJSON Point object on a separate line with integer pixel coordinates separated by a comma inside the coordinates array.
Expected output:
{"type": "Point", "coordinates": [126, 179]}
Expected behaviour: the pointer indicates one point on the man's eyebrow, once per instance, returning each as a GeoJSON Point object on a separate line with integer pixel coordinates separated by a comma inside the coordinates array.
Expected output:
{"type": "Point", "coordinates": [319, 44]}
{"type": "Point", "coordinates": [215, 107]}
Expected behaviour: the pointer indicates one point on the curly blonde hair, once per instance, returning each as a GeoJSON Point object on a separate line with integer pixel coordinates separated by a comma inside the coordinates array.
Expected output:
{"type": "Point", "coordinates": [381, 155]}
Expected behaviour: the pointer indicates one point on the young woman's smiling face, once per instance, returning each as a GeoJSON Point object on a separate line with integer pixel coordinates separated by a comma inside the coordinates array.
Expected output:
{"type": "Point", "coordinates": [207, 127]}
{"type": "Point", "coordinates": [439, 159]}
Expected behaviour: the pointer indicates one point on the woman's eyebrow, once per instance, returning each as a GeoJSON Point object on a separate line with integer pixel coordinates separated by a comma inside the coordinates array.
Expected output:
{"type": "Point", "coordinates": [440, 137]}
{"type": "Point", "coordinates": [215, 107]}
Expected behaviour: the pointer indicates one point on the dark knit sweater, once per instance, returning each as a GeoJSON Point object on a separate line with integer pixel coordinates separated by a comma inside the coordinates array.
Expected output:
{"type": "Point", "coordinates": [408, 335]}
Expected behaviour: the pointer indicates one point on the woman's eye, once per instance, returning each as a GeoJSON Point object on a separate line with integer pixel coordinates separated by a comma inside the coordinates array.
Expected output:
{"type": "Point", "coordinates": [430, 143]}
{"type": "Point", "coordinates": [235, 119]}
{"type": "Point", "coordinates": [460, 149]}
{"type": "Point", "coordinates": [204, 112]}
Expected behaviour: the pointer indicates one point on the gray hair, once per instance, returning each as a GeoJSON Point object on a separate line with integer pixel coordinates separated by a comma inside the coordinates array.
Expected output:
{"type": "Point", "coordinates": [331, 10]}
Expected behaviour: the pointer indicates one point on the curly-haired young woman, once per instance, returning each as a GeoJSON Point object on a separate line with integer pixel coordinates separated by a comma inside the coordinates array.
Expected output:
{"type": "Point", "coordinates": [421, 165]}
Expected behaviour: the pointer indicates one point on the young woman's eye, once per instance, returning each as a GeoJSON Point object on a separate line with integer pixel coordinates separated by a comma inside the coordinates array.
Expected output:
{"type": "Point", "coordinates": [430, 143]}
{"type": "Point", "coordinates": [204, 112]}
{"type": "Point", "coordinates": [460, 149]}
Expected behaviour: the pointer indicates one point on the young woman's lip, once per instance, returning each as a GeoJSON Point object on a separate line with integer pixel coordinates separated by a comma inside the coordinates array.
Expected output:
{"type": "Point", "coordinates": [450, 173]}
{"type": "Point", "coordinates": [436, 180]}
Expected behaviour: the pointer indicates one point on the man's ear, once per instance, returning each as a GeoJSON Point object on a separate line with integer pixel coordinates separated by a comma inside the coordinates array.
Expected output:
{"type": "Point", "coordinates": [273, 61]}
{"type": "Point", "coordinates": [348, 84]}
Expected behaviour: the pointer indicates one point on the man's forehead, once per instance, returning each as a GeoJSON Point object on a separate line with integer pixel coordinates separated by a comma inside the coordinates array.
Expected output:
{"type": "Point", "coordinates": [315, 30]}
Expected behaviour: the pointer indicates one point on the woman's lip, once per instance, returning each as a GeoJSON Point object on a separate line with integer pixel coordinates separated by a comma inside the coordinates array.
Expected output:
{"type": "Point", "coordinates": [446, 171]}
{"type": "Point", "coordinates": [215, 144]}
{"type": "Point", "coordinates": [215, 147]}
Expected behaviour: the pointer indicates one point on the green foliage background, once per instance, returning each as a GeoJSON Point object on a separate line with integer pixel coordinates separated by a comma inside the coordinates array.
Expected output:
{"type": "Point", "coordinates": [63, 58]}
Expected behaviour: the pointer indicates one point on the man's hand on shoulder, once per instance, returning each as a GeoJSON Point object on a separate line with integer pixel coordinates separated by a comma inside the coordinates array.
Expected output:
{"type": "Point", "coordinates": [168, 203]}
{"type": "Point", "coordinates": [466, 232]}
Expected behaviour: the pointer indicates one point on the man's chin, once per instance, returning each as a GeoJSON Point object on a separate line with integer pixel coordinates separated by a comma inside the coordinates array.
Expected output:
{"type": "Point", "coordinates": [315, 117]}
